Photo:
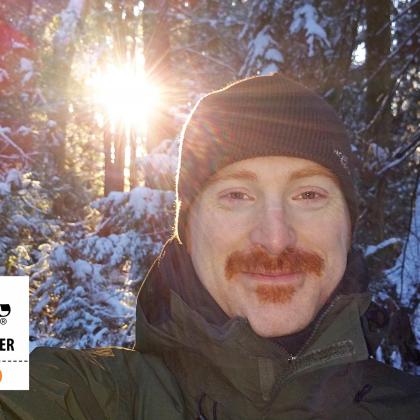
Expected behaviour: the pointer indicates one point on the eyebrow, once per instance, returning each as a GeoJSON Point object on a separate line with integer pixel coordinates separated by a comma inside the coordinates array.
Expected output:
{"type": "Point", "coordinates": [316, 171]}
{"type": "Point", "coordinates": [246, 175]}
{"type": "Point", "coordinates": [243, 175]}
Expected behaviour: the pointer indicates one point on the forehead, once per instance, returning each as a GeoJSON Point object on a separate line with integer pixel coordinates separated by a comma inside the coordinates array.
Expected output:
{"type": "Point", "coordinates": [273, 168]}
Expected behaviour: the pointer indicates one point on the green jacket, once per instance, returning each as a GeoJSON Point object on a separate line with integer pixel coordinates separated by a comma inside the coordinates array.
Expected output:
{"type": "Point", "coordinates": [184, 367]}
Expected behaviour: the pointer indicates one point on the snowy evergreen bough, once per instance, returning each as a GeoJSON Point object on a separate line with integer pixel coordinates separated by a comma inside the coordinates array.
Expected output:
{"type": "Point", "coordinates": [85, 289]}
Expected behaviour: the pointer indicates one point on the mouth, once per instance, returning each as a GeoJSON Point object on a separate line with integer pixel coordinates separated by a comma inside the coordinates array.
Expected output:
{"type": "Point", "coordinates": [276, 276]}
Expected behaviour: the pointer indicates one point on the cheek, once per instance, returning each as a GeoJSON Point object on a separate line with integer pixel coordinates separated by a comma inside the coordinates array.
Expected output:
{"type": "Point", "coordinates": [230, 230]}
{"type": "Point", "coordinates": [337, 243]}
{"type": "Point", "coordinates": [218, 229]}
{"type": "Point", "coordinates": [337, 248]}
{"type": "Point", "coordinates": [343, 229]}
{"type": "Point", "coordinates": [205, 236]}
{"type": "Point", "coordinates": [331, 229]}
{"type": "Point", "coordinates": [213, 236]}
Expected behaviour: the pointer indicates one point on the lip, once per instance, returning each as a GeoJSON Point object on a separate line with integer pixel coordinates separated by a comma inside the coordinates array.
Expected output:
{"type": "Point", "coordinates": [274, 277]}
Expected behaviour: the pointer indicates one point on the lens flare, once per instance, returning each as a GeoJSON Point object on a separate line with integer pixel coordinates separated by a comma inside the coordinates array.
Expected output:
{"type": "Point", "coordinates": [125, 95]}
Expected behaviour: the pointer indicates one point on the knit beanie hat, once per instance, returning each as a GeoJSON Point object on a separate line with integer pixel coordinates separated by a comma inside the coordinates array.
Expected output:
{"type": "Point", "coordinates": [260, 116]}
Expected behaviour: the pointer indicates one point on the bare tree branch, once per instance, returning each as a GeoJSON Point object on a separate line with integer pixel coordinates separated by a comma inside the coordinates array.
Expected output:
{"type": "Point", "coordinates": [400, 155]}
{"type": "Point", "coordinates": [393, 54]}
{"type": "Point", "coordinates": [387, 99]}
{"type": "Point", "coordinates": [12, 144]}
{"type": "Point", "coordinates": [398, 16]}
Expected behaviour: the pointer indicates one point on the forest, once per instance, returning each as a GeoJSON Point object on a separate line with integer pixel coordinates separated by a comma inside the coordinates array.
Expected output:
{"type": "Point", "coordinates": [93, 96]}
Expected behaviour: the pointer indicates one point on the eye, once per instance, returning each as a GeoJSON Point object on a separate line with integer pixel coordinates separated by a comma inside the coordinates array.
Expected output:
{"type": "Point", "coordinates": [310, 196]}
{"type": "Point", "coordinates": [236, 199]}
{"type": "Point", "coordinates": [237, 195]}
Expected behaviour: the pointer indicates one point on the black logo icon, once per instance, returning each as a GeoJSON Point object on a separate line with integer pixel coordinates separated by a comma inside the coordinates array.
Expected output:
{"type": "Point", "coordinates": [4, 312]}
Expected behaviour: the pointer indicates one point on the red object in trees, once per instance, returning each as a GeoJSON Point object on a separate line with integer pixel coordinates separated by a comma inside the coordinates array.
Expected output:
{"type": "Point", "coordinates": [14, 46]}
{"type": "Point", "coordinates": [17, 56]}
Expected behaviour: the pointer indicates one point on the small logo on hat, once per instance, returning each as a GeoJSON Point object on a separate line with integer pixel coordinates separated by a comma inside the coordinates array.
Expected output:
{"type": "Point", "coordinates": [344, 160]}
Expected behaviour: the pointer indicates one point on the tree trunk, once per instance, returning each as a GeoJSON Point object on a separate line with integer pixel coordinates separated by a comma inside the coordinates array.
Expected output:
{"type": "Point", "coordinates": [133, 159]}
{"type": "Point", "coordinates": [378, 71]}
{"type": "Point", "coordinates": [160, 125]}
{"type": "Point", "coordinates": [115, 143]}
{"type": "Point", "coordinates": [342, 32]}
{"type": "Point", "coordinates": [61, 64]}
{"type": "Point", "coordinates": [114, 149]}
{"type": "Point", "coordinates": [378, 94]}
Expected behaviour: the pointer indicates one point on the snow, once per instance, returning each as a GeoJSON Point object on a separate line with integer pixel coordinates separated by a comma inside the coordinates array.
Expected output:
{"type": "Point", "coordinates": [60, 255]}
{"type": "Point", "coordinates": [261, 43]}
{"type": "Point", "coordinates": [396, 359]}
{"type": "Point", "coordinates": [5, 130]}
{"type": "Point", "coordinates": [117, 197]}
{"type": "Point", "coordinates": [82, 269]}
{"type": "Point", "coordinates": [17, 45]}
{"type": "Point", "coordinates": [373, 249]}
{"type": "Point", "coordinates": [379, 152]}
{"type": "Point", "coordinates": [379, 354]}
{"type": "Point", "coordinates": [13, 177]}
{"type": "Point", "coordinates": [41, 304]}
{"type": "Point", "coordinates": [274, 54]}
{"type": "Point", "coordinates": [70, 17]}
{"type": "Point", "coordinates": [411, 269]}
{"type": "Point", "coordinates": [306, 17]}
{"type": "Point", "coordinates": [20, 220]}
{"type": "Point", "coordinates": [27, 67]}
{"type": "Point", "coordinates": [144, 200]}
{"type": "Point", "coordinates": [263, 48]}
{"type": "Point", "coordinates": [23, 130]}
{"type": "Point", "coordinates": [268, 69]}
{"type": "Point", "coordinates": [3, 75]}
{"type": "Point", "coordinates": [406, 272]}
{"type": "Point", "coordinates": [4, 189]}
{"type": "Point", "coordinates": [108, 250]}
{"type": "Point", "coordinates": [78, 291]}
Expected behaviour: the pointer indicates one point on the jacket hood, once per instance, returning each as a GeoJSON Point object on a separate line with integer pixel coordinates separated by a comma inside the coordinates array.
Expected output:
{"type": "Point", "coordinates": [228, 353]}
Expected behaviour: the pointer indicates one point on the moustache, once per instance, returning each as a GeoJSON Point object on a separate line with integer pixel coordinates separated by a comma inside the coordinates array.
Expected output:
{"type": "Point", "coordinates": [257, 260]}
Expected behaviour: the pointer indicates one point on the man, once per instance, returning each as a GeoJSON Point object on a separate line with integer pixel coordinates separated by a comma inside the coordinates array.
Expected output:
{"type": "Point", "coordinates": [253, 310]}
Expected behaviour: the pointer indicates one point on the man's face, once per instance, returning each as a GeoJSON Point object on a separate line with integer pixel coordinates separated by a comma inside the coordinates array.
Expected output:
{"type": "Point", "coordinates": [268, 238]}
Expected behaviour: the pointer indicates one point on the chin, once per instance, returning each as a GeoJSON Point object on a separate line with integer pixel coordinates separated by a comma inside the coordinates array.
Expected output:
{"type": "Point", "coordinates": [277, 323]}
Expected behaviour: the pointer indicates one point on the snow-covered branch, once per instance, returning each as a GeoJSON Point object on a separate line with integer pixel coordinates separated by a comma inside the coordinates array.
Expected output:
{"type": "Point", "coordinates": [3, 134]}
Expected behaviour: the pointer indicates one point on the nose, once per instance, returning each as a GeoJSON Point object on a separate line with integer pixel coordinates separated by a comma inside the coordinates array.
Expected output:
{"type": "Point", "coordinates": [274, 230]}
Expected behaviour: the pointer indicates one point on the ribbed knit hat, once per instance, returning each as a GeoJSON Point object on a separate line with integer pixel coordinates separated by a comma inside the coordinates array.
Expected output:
{"type": "Point", "coordinates": [260, 116]}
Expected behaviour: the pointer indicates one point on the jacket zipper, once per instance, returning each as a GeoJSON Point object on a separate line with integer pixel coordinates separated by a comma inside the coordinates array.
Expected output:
{"type": "Point", "coordinates": [292, 357]}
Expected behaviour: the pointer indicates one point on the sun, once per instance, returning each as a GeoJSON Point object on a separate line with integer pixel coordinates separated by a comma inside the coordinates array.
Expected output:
{"type": "Point", "coordinates": [125, 95]}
